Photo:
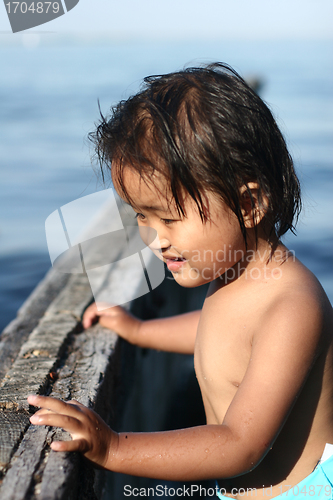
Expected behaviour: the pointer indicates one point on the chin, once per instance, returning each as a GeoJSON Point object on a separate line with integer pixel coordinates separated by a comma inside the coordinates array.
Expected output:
{"type": "Point", "coordinates": [187, 282]}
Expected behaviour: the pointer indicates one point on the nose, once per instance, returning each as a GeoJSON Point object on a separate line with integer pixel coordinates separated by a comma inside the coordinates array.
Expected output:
{"type": "Point", "coordinates": [164, 244]}
{"type": "Point", "coordinates": [160, 245]}
{"type": "Point", "coordinates": [153, 238]}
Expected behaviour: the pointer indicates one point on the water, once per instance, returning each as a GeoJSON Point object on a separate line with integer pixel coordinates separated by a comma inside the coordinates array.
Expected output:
{"type": "Point", "coordinates": [49, 96]}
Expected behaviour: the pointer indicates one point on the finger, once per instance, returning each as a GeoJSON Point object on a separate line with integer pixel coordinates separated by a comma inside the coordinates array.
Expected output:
{"type": "Point", "coordinates": [69, 424]}
{"type": "Point", "coordinates": [53, 404]}
{"type": "Point", "coordinates": [42, 412]}
{"type": "Point", "coordinates": [73, 402]}
{"type": "Point", "coordinates": [74, 445]}
{"type": "Point", "coordinates": [90, 315]}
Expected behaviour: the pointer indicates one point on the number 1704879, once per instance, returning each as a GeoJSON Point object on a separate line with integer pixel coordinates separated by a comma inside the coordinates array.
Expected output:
{"type": "Point", "coordinates": [312, 490]}
{"type": "Point", "coordinates": [32, 7]}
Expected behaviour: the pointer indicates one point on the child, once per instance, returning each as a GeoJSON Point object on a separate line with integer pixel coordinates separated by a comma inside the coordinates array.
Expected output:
{"type": "Point", "coordinates": [199, 157]}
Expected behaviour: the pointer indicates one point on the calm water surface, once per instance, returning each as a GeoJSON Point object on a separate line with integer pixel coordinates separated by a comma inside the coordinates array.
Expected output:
{"type": "Point", "coordinates": [49, 99]}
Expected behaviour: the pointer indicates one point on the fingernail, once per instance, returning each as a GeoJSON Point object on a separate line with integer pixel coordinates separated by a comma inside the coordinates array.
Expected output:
{"type": "Point", "coordinates": [34, 419]}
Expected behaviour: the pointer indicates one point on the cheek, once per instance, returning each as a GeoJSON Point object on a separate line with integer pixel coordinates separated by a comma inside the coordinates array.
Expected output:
{"type": "Point", "coordinates": [217, 250]}
{"type": "Point", "coordinates": [149, 236]}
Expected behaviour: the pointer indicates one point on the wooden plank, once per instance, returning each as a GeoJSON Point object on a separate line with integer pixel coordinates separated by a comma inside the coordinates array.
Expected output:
{"type": "Point", "coordinates": [39, 356]}
{"type": "Point", "coordinates": [51, 475]}
{"type": "Point", "coordinates": [51, 354]}
{"type": "Point", "coordinates": [81, 379]}
{"type": "Point", "coordinates": [26, 462]}
{"type": "Point", "coordinates": [12, 429]}
{"type": "Point", "coordinates": [28, 317]}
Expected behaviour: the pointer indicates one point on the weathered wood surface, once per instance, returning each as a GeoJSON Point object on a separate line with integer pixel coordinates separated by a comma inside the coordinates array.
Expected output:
{"type": "Point", "coordinates": [41, 354]}
{"type": "Point", "coordinates": [38, 472]}
{"type": "Point", "coordinates": [46, 351]}
{"type": "Point", "coordinates": [28, 317]}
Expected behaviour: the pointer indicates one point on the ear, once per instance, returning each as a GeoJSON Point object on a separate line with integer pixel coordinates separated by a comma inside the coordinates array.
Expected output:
{"type": "Point", "coordinates": [253, 210]}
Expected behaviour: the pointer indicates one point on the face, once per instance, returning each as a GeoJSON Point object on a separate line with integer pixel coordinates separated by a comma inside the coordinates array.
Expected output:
{"type": "Point", "coordinates": [195, 252]}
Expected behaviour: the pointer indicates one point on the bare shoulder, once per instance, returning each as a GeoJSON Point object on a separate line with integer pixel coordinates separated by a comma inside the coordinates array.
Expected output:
{"type": "Point", "coordinates": [280, 294]}
{"type": "Point", "coordinates": [297, 302]}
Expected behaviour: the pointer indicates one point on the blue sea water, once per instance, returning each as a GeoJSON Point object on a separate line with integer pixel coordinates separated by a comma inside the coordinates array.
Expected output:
{"type": "Point", "coordinates": [49, 96]}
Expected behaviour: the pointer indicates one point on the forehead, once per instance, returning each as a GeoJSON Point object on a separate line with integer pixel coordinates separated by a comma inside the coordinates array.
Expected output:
{"type": "Point", "coordinates": [143, 190]}
{"type": "Point", "coordinates": [153, 192]}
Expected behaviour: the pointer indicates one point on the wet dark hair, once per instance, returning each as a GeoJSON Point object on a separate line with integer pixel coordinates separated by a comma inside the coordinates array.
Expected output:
{"type": "Point", "coordinates": [204, 129]}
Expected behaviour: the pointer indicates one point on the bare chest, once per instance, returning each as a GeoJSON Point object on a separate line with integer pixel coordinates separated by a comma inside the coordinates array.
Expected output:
{"type": "Point", "coordinates": [222, 354]}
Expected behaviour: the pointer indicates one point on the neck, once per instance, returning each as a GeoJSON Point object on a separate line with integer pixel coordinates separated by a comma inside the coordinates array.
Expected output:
{"type": "Point", "coordinates": [260, 258]}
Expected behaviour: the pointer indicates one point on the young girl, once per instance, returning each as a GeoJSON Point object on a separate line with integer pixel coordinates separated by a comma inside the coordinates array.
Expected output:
{"type": "Point", "coordinates": [199, 157]}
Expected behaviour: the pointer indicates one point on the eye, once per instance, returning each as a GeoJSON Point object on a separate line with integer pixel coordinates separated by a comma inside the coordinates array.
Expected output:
{"type": "Point", "coordinates": [140, 216]}
{"type": "Point", "coordinates": [167, 221]}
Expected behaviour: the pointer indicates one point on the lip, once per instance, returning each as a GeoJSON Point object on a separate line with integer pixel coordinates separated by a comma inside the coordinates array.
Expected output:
{"type": "Point", "coordinates": [173, 264]}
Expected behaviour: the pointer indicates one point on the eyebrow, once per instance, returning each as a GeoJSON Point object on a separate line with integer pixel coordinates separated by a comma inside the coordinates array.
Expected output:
{"type": "Point", "coordinates": [151, 207]}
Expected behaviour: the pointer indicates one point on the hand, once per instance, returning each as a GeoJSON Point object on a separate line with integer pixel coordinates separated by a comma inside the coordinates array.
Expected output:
{"type": "Point", "coordinates": [90, 434]}
{"type": "Point", "coordinates": [115, 318]}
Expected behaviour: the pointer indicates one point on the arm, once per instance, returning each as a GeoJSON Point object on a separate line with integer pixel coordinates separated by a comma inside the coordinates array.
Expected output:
{"type": "Point", "coordinates": [282, 356]}
{"type": "Point", "coordinates": [174, 334]}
